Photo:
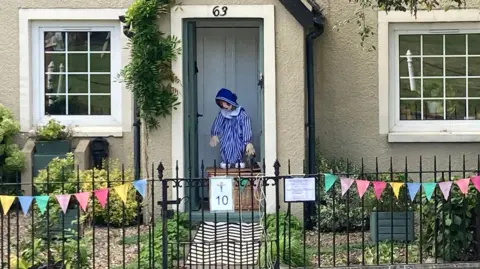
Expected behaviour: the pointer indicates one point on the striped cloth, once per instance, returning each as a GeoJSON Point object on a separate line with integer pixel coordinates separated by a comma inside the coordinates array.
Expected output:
{"type": "Point", "coordinates": [235, 132]}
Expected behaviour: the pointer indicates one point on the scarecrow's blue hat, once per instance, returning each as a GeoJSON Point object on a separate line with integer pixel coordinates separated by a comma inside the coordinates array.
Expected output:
{"type": "Point", "coordinates": [227, 96]}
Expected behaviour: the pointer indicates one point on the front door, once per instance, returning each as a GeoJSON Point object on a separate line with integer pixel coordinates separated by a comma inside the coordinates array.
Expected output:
{"type": "Point", "coordinates": [226, 58]}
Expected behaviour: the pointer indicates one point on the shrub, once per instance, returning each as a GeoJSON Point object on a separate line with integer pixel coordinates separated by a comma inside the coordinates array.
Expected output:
{"type": "Point", "coordinates": [110, 176]}
{"type": "Point", "coordinates": [12, 160]}
{"type": "Point", "coordinates": [52, 131]}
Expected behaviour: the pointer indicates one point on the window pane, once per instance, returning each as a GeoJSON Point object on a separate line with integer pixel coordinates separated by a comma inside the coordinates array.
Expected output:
{"type": "Point", "coordinates": [100, 62]}
{"type": "Point", "coordinates": [78, 84]}
{"type": "Point", "coordinates": [405, 89]}
{"type": "Point", "coordinates": [409, 42]}
{"type": "Point", "coordinates": [433, 87]}
{"type": "Point", "coordinates": [456, 109]}
{"type": "Point", "coordinates": [433, 67]}
{"type": "Point", "coordinates": [78, 62]}
{"type": "Point", "coordinates": [456, 87]}
{"type": "Point", "coordinates": [474, 87]}
{"type": "Point", "coordinates": [100, 105]}
{"type": "Point", "coordinates": [100, 83]}
{"type": "Point", "coordinates": [404, 67]}
{"type": "Point", "coordinates": [474, 65]}
{"type": "Point", "coordinates": [473, 41]}
{"type": "Point", "coordinates": [474, 109]}
{"type": "Point", "coordinates": [410, 110]}
{"type": "Point", "coordinates": [455, 45]}
{"type": "Point", "coordinates": [456, 66]}
{"type": "Point", "coordinates": [54, 62]}
{"type": "Point", "coordinates": [77, 41]}
{"type": "Point", "coordinates": [433, 109]}
{"type": "Point", "coordinates": [100, 41]}
{"type": "Point", "coordinates": [432, 44]}
{"type": "Point", "coordinates": [54, 83]}
{"type": "Point", "coordinates": [55, 105]}
{"type": "Point", "coordinates": [54, 41]}
{"type": "Point", "coordinates": [78, 105]}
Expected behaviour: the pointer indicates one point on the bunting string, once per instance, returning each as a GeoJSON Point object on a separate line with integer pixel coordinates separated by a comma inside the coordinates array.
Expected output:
{"type": "Point", "coordinates": [65, 199]}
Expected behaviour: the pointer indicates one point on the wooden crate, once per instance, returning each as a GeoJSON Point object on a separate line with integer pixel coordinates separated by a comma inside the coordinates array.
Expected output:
{"type": "Point", "coordinates": [242, 200]}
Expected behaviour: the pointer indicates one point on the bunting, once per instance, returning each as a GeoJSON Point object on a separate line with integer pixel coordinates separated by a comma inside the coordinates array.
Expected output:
{"type": "Point", "coordinates": [413, 189]}
{"type": "Point", "coordinates": [346, 184]}
{"type": "Point", "coordinates": [476, 182]}
{"type": "Point", "coordinates": [82, 198]}
{"type": "Point", "coordinates": [378, 188]}
{"type": "Point", "coordinates": [63, 201]}
{"type": "Point", "coordinates": [7, 202]}
{"type": "Point", "coordinates": [362, 186]}
{"type": "Point", "coordinates": [463, 185]}
{"type": "Point", "coordinates": [396, 188]}
{"type": "Point", "coordinates": [445, 187]}
{"type": "Point", "coordinates": [429, 188]}
{"type": "Point", "coordinates": [25, 203]}
{"type": "Point", "coordinates": [329, 181]}
{"type": "Point", "coordinates": [42, 202]}
{"type": "Point", "coordinates": [102, 195]}
{"type": "Point", "coordinates": [122, 191]}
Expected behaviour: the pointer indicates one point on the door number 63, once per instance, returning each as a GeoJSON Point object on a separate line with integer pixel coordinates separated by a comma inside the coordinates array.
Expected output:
{"type": "Point", "coordinates": [219, 11]}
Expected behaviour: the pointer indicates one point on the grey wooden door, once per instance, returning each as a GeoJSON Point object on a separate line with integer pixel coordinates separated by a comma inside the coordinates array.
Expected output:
{"type": "Point", "coordinates": [226, 58]}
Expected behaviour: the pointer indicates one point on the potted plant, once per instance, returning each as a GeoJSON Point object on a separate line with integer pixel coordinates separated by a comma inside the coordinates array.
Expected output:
{"type": "Point", "coordinates": [391, 218]}
{"type": "Point", "coordinates": [53, 138]}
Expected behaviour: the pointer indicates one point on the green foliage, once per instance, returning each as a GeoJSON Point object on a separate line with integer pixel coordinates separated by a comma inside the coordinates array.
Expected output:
{"type": "Point", "coordinates": [451, 223]}
{"type": "Point", "coordinates": [149, 74]}
{"type": "Point", "coordinates": [385, 254]}
{"type": "Point", "coordinates": [290, 242]}
{"type": "Point", "coordinates": [388, 202]}
{"type": "Point", "coordinates": [342, 219]}
{"type": "Point", "coordinates": [62, 177]}
{"type": "Point", "coordinates": [52, 131]}
{"type": "Point", "coordinates": [70, 253]}
{"type": "Point", "coordinates": [177, 231]}
{"type": "Point", "coordinates": [11, 158]}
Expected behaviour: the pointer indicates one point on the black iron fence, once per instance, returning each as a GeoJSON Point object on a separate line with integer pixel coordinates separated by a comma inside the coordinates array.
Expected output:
{"type": "Point", "coordinates": [104, 218]}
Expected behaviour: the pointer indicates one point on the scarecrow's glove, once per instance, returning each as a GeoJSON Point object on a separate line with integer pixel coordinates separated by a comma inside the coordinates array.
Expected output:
{"type": "Point", "coordinates": [214, 141]}
{"type": "Point", "coordinates": [250, 150]}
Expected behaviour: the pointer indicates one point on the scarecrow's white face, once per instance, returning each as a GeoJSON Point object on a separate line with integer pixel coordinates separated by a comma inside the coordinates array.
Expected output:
{"type": "Point", "coordinates": [226, 105]}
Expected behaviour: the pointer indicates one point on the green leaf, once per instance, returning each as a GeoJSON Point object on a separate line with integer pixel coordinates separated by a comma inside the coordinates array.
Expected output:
{"type": "Point", "coordinates": [448, 222]}
{"type": "Point", "coordinates": [457, 220]}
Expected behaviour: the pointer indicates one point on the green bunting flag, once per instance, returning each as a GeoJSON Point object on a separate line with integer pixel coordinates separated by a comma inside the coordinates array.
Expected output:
{"type": "Point", "coordinates": [42, 202]}
{"type": "Point", "coordinates": [329, 181]}
{"type": "Point", "coordinates": [429, 188]}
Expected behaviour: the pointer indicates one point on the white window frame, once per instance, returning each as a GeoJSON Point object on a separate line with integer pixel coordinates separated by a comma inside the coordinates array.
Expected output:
{"type": "Point", "coordinates": [389, 27]}
{"type": "Point", "coordinates": [32, 23]}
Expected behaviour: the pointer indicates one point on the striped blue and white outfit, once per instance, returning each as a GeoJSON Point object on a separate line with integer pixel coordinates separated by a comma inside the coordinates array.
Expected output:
{"type": "Point", "coordinates": [234, 131]}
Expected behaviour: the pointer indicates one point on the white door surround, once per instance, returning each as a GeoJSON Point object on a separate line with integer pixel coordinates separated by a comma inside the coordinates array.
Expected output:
{"type": "Point", "coordinates": [265, 12]}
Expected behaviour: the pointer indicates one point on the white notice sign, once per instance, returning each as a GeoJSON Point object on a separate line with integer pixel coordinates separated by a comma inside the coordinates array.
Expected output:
{"type": "Point", "coordinates": [300, 189]}
{"type": "Point", "coordinates": [221, 194]}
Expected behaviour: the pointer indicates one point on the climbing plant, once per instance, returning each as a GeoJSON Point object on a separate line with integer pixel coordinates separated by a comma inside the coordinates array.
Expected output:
{"type": "Point", "coordinates": [366, 28]}
{"type": "Point", "coordinates": [149, 74]}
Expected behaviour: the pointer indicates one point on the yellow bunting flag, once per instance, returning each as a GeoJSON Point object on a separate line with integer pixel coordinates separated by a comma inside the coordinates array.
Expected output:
{"type": "Point", "coordinates": [122, 191]}
{"type": "Point", "coordinates": [396, 187]}
{"type": "Point", "coordinates": [7, 202]}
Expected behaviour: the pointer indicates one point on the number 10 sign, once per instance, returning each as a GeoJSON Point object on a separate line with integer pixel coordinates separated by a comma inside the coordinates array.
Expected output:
{"type": "Point", "coordinates": [221, 194]}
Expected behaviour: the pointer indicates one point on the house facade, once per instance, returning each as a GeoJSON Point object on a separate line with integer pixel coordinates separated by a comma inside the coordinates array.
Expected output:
{"type": "Point", "coordinates": [62, 58]}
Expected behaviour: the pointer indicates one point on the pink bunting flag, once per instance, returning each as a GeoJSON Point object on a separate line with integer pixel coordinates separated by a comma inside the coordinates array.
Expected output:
{"type": "Point", "coordinates": [82, 198]}
{"type": "Point", "coordinates": [445, 188]}
{"type": "Point", "coordinates": [102, 195]}
{"type": "Point", "coordinates": [346, 184]}
{"type": "Point", "coordinates": [379, 187]}
{"type": "Point", "coordinates": [362, 186]}
{"type": "Point", "coordinates": [476, 182]}
{"type": "Point", "coordinates": [463, 185]}
{"type": "Point", "coordinates": [63, 201]}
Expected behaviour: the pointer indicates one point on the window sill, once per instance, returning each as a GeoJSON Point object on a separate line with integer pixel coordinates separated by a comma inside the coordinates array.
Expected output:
{"type": "Point", "coordinates": [109, 131]}
{"type": "Point", "coordinates": [433, 137]}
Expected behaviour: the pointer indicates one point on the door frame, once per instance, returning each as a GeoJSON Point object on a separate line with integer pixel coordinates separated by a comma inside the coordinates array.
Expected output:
{"type": "Point", "coordinates": [265, 12]}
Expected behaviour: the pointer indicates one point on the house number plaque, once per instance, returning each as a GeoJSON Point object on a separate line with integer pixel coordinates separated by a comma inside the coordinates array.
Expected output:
{"type": "Point", "coordinates": [219, 11]}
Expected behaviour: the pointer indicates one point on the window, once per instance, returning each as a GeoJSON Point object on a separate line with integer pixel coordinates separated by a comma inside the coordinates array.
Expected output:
{"type": "Point", "coordinates": [439, 76]}
{"type": "Point", "coordinates": [429, 76]}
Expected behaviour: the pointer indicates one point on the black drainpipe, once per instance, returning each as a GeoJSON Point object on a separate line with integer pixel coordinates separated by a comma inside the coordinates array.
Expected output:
{"type": "Point", "coordinates": [319, 22]}
{"type": "Point", "coordinates": [136, 118]}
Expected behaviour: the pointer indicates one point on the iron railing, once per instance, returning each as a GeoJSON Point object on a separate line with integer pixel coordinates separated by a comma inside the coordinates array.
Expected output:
{"type": "Point", "coordinates": [170, 225]}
